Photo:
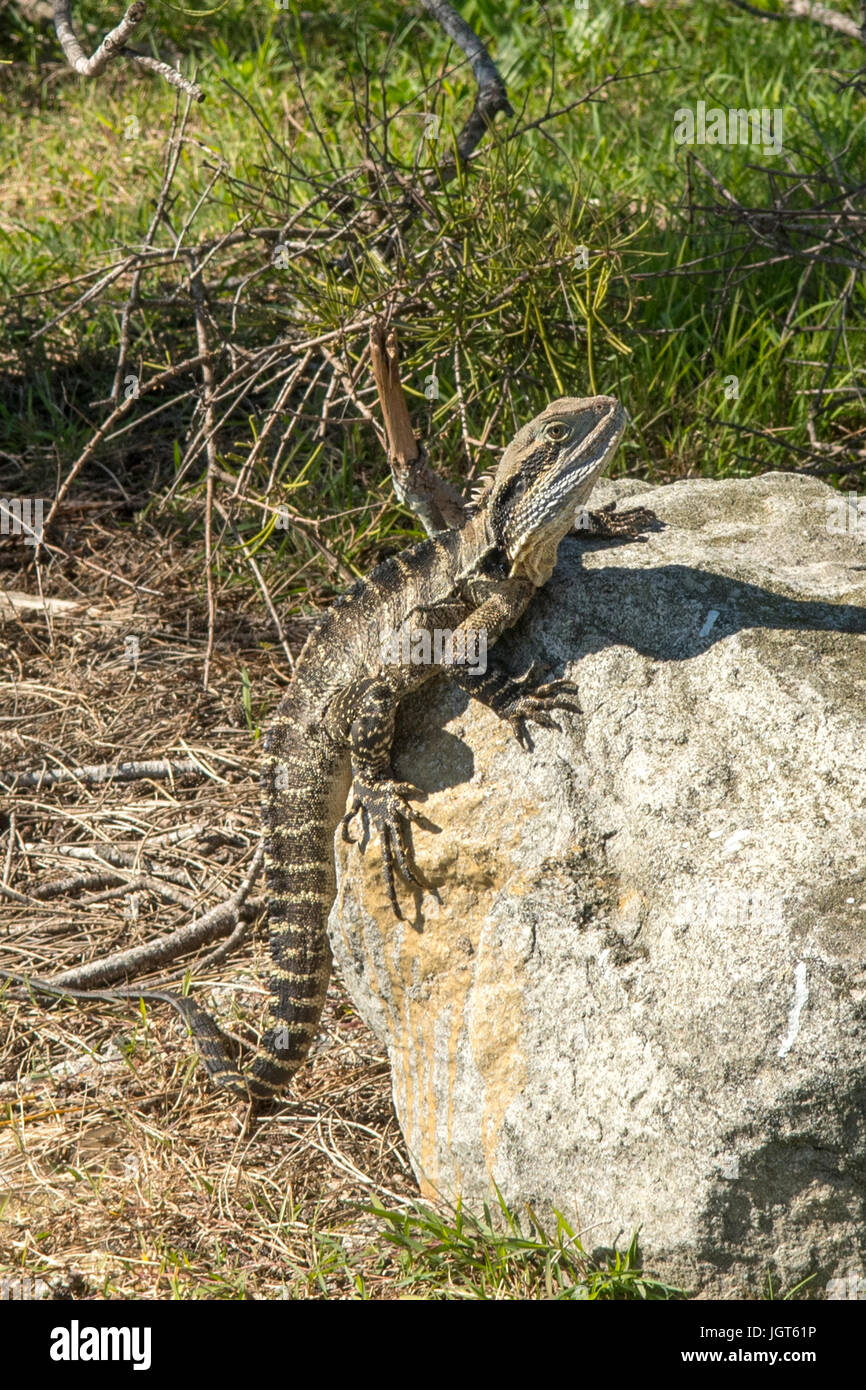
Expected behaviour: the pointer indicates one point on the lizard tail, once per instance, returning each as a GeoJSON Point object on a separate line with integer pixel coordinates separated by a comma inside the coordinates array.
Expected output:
{"type": "Point", "coordinates": [302, 784]}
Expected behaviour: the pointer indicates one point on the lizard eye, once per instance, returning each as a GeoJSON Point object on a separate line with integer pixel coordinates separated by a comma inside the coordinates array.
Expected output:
{"type": "Point", "coordinates": [557, 433]}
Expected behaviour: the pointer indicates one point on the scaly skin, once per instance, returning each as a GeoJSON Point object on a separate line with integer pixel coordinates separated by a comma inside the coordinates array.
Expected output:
{"type": "Point", "coordinates": [335, 725]}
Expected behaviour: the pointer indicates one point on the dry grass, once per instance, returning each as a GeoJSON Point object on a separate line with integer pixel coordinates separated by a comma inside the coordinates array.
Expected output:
{"type": "Point", "coordinates": [123, 1173]}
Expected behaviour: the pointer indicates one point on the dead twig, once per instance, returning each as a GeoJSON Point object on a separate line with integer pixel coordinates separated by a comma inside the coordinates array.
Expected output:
{"type": "Point", "coordinates": [208, 384]}
{"type": "Point", "coordinates": [810, 9]}
{"type": "Point", "coordinates": [95, 773]}
{"type": "Point", "coordinates": [113, 46]}
{"type": "Point", "coordinates": [259, 578]}
{"type": "Point", "coordinates": [7, 863]}
{"type": "Point", "coordinates": [219, 921]}
{"type": "Point", "coordinates": [491, 97]}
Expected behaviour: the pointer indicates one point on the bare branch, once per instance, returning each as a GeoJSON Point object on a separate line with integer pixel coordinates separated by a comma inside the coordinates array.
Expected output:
{"type": "Point", "coordinates": [259, 578]}
{"type": "Point", "coordinates": [94, 773]}
{"type": "Point", "coordinates": [208, 389]}
{"type": "Point", "coordinates": [433, 500]}
{"type": "Point", "coordinates": [220, 921]}
{"type": "Point", "coordinates": [820, 14]}
{"type": "Point", "coordinates": [172, 76]}
{"type": "Point", "coordinates": [809, 9]}
{"type": "Point", "coordinates": [112, 46]}
{"type": "Point", "coordinates": [492, 96]}
{"type": "Point", "coordinates": [108, 49]}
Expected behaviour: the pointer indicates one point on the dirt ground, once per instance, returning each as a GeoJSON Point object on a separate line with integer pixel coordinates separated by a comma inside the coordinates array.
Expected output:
{"type": "Point", "coordinates": [123, 1172]}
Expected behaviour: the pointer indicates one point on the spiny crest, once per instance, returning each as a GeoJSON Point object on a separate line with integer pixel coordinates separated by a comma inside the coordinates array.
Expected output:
{"type": "Point", "coordinates": [481, 490]}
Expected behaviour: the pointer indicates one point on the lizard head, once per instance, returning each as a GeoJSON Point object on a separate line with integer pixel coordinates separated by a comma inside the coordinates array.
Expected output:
{"type": "Point", "coordinates": [545, 476]}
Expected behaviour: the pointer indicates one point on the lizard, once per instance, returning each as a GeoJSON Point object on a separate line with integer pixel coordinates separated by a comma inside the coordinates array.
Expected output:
{"type": "Point", "coordinates": [477, 572]}
{"type": "Point", "coordinates": [333, 730]}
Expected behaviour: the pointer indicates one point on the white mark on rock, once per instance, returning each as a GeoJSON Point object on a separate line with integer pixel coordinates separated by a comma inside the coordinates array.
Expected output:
{"type": "Point", "coordinates": [736, 842]}
{"type": "Point", "coordinates": [801, 994]}
{"type": "Point", "coordinates": [708, 622]}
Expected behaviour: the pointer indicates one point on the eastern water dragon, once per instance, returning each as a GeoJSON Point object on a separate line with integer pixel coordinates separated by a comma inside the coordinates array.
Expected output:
{"type": "Point", "coordinates": [333, 730]}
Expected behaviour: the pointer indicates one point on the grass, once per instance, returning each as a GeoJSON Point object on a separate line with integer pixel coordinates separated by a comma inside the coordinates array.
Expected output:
{"type": "Point", "coordinates": [494, 1257]}
{"type": "Point", "coordinates": [76, 190]}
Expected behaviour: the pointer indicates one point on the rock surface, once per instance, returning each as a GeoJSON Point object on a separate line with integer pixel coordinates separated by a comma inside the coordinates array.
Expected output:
{"type": "Point", "coordinates": [640, 997]}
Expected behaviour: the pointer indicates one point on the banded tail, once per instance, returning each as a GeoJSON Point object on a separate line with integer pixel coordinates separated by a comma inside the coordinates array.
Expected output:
{"type": "Point", "coordinates": [302, 784]}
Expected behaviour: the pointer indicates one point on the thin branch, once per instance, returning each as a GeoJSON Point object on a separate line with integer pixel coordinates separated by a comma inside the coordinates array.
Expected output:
{"type": "Point", "coordinates": [208, 389]}
{"type": "Point", "coordinates": [7, 865]}
{"type": "Point", "coordinates": [491, 97]}
{"type": "Point", "coordinates": [171, 75]}
{"type": "Point", "coordinates": [123, 408]}
{"type": "Point", "coordinates": [94, 773]}
{"type": "Point", "coordinates": [274, 414]}
{"type": "Point", "coordinates": [830, 19]}
{"type": "Point", "coordinates": [113, 46]}
{"type": "Point", "coordinates": [108, 49]}
{"type": "Point", "coordinates": [809, 9]}
{"type": "Point", "coordinates": [552, 113]}
{"type": "Point", "coordinates": [257, 575]}
{"type": "Point", "coordinates": [173, 152]}
{"type": "Point", "coordinates": [218, 922]}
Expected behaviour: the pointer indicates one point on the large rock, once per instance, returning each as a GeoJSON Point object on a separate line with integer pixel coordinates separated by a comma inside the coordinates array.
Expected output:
{"type": "Point", "coordinates": [640, 997]}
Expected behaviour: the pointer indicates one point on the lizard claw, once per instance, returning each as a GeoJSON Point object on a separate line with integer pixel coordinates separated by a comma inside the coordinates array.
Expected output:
{"type": "Point", "coordinates": [608, 524]}
{"type": "Point", "coordinates": [385, 804]}
{"type": "Point", "coordinates": [537, 705]}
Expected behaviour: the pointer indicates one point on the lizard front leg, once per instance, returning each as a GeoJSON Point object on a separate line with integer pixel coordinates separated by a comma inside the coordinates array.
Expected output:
{"type": "Point", "coordinates": [609, 524]}
{"type": "Point", "coordinates": [376, 795]}
{"type": "Point", "coordinates": [511, 697]}
{"type": "Point", "coordinates": [518, 698]}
